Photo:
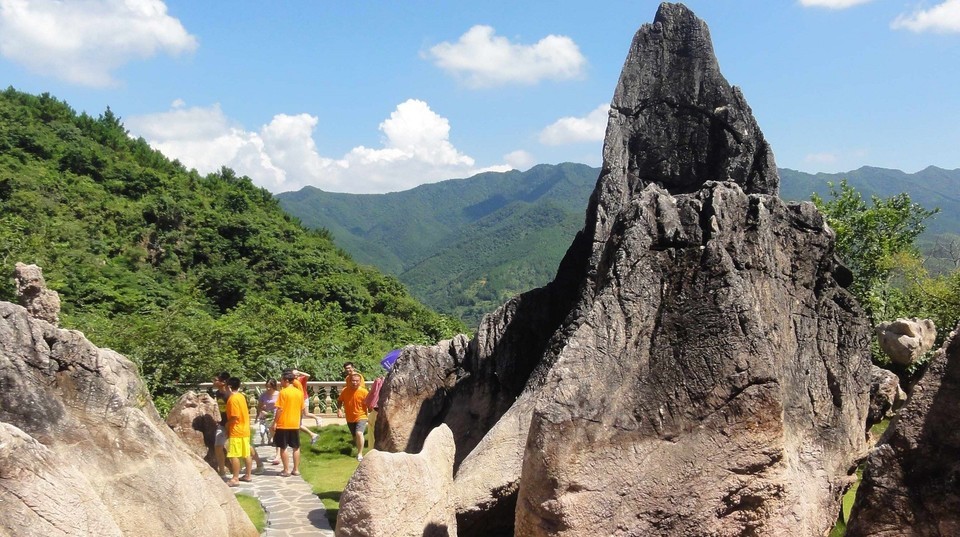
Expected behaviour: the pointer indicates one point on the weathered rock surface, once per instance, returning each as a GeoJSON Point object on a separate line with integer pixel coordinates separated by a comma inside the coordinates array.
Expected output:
{"type": "Point", "coordinates": [906, 340]}
{"type": "Point", "coordinates": [910, 482]}
{"type": "Point", "coordinates": [83, 451]}
{"type": "Point", "coordinates": [694, 368]}
{"type": "Point", "coordinates": [886, 394]}
{"type": "Point", "coordinates": [33, 294]}
{"type": "Point", "coordinates": [399, 494]}
{"type": "Point", "coordinates": [194, 419]}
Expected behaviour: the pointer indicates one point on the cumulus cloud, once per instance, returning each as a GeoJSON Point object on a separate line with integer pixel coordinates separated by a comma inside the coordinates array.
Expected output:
{"type": "Point", "coordinates": [833, 4]}
{"type": "Point", "coordinates": [519, 159]}
{"type": "Point", "coordinates": [82, 42]}
{"type": "Point", "coordinates": [483, 59]}
{"type": "Point", "coordinates": [282, 156]}
{"type": "Point", "coordinates": [942, 18]}
{"type": "Point", "coordinates": [570, 130]}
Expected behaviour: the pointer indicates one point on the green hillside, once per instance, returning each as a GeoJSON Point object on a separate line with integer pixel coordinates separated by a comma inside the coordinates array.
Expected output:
{"type": "Point", "coordinates": [462, 246]}
{"type": "Point", "coordinates": [186, 274]}
{"type": "Point", "coordinates": [465, 246]}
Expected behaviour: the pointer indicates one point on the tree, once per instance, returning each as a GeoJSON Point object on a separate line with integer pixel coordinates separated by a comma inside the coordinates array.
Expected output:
{"type": "Point", "coordinates": [873, 239]}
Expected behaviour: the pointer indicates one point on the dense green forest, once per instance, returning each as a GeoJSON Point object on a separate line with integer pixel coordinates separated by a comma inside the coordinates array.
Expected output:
{"type": "Point", "coordinates": [185, 274]}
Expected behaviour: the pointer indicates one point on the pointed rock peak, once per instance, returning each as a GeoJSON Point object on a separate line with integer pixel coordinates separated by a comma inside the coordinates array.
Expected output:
{"type": "Point", "coordinates": [676, 121]}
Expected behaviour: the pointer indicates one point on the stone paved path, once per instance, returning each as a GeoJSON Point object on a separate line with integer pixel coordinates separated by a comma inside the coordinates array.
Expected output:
{"type": "Point", "coordinates": [293, 510]}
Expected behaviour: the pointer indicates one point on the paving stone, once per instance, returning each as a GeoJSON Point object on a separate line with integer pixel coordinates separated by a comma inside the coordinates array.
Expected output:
{"type": "Point", "coordinates": [292, 508]}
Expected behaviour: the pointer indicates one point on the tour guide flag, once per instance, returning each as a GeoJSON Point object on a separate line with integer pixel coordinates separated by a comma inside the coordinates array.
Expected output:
{"type": "Point", "coordinates": [391, 357]}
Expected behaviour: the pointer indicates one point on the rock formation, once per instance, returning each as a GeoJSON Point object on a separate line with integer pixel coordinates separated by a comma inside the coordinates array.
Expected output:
{"type": "Point", "coordinates": [399, 494]}
{"type": "Point", "coordinates": [886, 395]}
{"type": "Point", "coordinates": [194, 419]}
{"type": "Point", "coordinates": [33, 294]}
{"type": "Point", "coordinates": [695, 368]}
{"type": "Point", "coordinates": [906, 340]}
{"type": "Point", "coordinates": [84, 452]}
{"type": "Point", "coordinates": [911, 481]}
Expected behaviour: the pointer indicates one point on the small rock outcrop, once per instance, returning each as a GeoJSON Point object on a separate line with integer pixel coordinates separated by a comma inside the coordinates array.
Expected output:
{"type": "Point", "coordinates": [695, 368]}
{"type": "Point", "coordinates": [84, 452]}
{"type": "Point", "coordinates": [886, 395]}
{"type": "Point", "coordinates": [194, 419]}
{"type": "Point", "coordinates": [400, 495]}
{"type": "Point", "coordinates": [906, 340]}
{"type": "Point", "coordinates": [33, 294]}
{"type": "Point", "coordinates": [910, 481]}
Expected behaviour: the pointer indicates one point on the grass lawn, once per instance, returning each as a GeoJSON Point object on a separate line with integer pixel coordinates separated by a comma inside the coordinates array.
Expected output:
{"type": "Point", "coordinates": [254, 510]}
{"type": "Point", "coordinates": [328, 465]}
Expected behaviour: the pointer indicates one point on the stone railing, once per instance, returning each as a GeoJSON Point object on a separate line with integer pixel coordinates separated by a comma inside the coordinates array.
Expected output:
{"type": "Point", "coordinates": [323, 394]}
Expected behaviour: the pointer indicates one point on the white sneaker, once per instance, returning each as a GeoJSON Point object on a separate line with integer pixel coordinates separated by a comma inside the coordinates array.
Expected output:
{"type": "Point", "coordinates": [359, 458]}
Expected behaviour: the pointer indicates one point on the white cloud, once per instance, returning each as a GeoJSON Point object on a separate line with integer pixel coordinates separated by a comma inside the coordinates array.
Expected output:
{"type": "Point", "coordinates": [943, 18]}
{"type": "Point", "coordinates": [282, 156]}
{"type": "Point", "coordinates": [833, 4]}
{"type": "Point", "coordinates": [82, 42]}
{"type": "Point", "coordinates": [519, 160]}
{"type": "Point", "coordinates": [570, 130]}
{"type": "Point", "coordinates": [483, 59]}
{"type": "Point", "coordinates": [821, 158]}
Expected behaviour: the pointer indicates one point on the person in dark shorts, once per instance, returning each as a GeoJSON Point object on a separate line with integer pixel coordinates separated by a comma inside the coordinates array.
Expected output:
{"type": "Point", "coordinates": [286, 424]}
{"type": "Point", "coordinates": [353, 403]}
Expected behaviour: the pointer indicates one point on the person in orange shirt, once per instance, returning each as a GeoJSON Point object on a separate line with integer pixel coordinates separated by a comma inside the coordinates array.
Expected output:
{"type": "Point", "coordinates": [286, 423]}
{"type": "Point", "coordinates": [352, 402]}
{"type": "Point", "coordinates": [238, 433]}
{"type": "Point", "coordinates": [300, 380]}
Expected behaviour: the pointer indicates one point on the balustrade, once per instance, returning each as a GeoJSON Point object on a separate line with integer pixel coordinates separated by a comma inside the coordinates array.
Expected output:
{"type": "Point", "coordinates": [322, 394]}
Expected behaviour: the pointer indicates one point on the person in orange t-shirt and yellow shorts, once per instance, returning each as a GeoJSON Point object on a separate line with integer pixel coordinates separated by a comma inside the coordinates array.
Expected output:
{"type": "Point", "coordinates": [238, 433]}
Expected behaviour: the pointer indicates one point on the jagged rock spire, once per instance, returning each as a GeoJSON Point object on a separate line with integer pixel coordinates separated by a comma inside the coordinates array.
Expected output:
{"type": "Point", "coordinates": [676, 121]}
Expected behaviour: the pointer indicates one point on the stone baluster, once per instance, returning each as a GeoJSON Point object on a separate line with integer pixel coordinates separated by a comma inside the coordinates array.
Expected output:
{"type": "Point", "coordinates": [315, 400]}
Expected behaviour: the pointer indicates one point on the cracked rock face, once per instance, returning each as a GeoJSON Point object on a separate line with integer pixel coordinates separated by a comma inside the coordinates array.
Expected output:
{"type": "Point", "coordinates": [910, 481]}
{"type": "Point", "coordinates": [693, 369]}
{"type": "Point", "coordinates": [83, 451]}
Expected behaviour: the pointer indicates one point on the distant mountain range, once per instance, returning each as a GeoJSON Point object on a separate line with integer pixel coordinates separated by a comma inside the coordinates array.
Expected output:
{"type": "Point", "coordinates": [465, 246]}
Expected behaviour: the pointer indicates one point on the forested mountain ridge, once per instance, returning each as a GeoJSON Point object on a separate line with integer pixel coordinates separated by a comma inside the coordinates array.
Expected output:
{"type": "Point", "coordinates": [931, 187]}
{"type": "Point", "coordinates": [464, 246]}
{"type": "Point", "coordinates": [186, 274]}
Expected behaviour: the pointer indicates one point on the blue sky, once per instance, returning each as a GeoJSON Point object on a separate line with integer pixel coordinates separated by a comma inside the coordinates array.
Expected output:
{"type": "Point", "coordinates": [369, 96]}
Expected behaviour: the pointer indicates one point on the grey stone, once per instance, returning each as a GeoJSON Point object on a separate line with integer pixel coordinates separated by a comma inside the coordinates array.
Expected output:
{"type": "Point", "coordinates": [695, 368]}
{"type": "Point", "coordinates": [906, 340]}
{"type": "Point", "coordinates": [194, 418]}
{"type": "Point", "coordinates": [910, 482]}
{"type": "Point", "coordinates": [33, 294]}
{"type": "Point", "coordinates": [84, 452]}
{"type": "Point", "coordinates": [886, 395]}
{"type": "Point", "coordinates": [401, 494]}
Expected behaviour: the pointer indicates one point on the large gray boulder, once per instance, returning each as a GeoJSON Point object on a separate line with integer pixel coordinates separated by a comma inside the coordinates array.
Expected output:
{"type": "Point", "coordinates": [32, 293]}
{"type": "Point", "coordinates": [695, 368]}
{"type": "Point", "coordinates": [83, 452]}
{"type": "Point", "coordinates": [194, 418]}
{"type": "Point", "coordinates": [906, 340]}
{"type": "Point", "coordinates": [402, 494]}
{"type": "Point", "coordinates": [910, 481]}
